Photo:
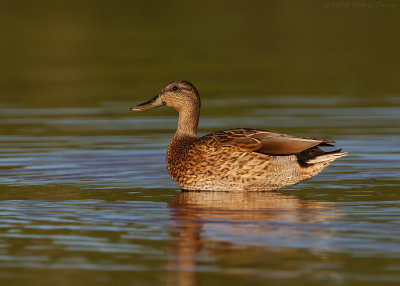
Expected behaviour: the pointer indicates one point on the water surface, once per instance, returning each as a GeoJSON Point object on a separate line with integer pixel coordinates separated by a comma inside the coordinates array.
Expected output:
{"type": "Point", "coordinates": [85, 196]}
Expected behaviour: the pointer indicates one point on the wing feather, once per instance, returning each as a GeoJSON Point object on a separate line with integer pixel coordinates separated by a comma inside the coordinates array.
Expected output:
{"type": "Point", "coordinates": [264, 141]}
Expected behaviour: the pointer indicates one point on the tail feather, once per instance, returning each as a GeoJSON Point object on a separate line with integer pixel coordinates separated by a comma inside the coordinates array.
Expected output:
{"type": "Point", "coordinates": [327, 157]}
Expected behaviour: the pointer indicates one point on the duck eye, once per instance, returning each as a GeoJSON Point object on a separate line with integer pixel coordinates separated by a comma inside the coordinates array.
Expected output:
{"type": "Point", "coordinates": [174, 88]}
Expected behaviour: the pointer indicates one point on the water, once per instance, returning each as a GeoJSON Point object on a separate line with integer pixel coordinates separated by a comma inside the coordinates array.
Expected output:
{"type": "Point", "coordinates": [85, 197]}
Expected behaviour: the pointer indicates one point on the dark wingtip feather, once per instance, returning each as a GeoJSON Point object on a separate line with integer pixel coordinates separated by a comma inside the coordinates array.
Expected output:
{"type": "Point", "coordinates": [308, 155]}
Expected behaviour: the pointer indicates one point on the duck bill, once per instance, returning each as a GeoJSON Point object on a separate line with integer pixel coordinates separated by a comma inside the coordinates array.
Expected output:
{"type": "Point", "coordinates": [152, 103]}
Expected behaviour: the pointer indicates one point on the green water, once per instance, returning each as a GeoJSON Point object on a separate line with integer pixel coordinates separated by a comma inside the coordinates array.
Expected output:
{"type": "Point", "coordinates": [85, 198]}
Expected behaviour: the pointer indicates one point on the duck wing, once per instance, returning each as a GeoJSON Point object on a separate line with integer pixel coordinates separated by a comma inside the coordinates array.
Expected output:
{"type": "Point", "coordinates": [264, 141]}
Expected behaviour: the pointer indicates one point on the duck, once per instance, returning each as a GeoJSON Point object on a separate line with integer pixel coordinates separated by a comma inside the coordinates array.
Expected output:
{"type": "Point", "coordinates": [234, 160]}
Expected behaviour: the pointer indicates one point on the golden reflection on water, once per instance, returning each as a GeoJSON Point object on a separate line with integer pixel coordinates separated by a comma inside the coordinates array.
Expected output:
{"type": "Point", "coordinates": [251, 214]}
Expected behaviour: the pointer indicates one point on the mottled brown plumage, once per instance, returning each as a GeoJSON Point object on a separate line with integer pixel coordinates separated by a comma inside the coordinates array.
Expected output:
{"type": "Point", "coordinates": [235, 159]}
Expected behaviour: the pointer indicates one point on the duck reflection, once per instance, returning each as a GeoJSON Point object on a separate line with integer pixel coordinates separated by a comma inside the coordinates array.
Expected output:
{"type": "Point", "coordinates": [202, 219]}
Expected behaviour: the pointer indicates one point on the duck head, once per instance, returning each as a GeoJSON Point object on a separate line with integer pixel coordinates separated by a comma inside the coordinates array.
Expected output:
{"type": "Point", "coordinates": [177, 94]}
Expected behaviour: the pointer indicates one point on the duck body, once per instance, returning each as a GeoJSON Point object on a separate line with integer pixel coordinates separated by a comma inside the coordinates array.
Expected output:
{"type": "Point", "coordinates": [229, 161]}
{"type": "Point", "coordinates": [236, 159]}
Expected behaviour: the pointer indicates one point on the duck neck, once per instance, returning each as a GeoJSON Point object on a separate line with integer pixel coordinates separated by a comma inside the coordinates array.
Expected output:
{"type": "Point", "coordinates": [188, 121]}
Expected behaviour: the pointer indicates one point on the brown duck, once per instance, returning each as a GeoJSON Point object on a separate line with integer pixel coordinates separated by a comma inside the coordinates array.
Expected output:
{"type": "Point", "coordinates": [235, 159]}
